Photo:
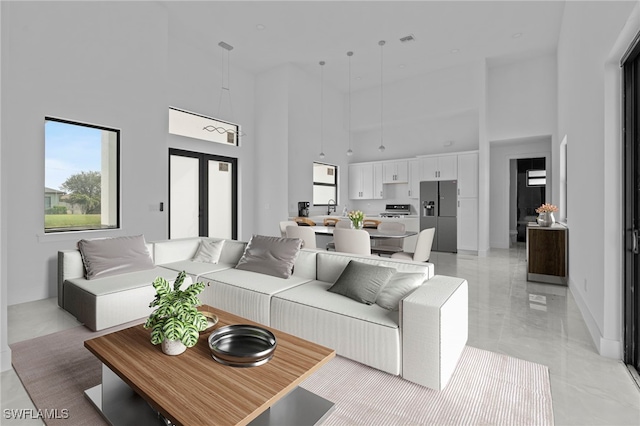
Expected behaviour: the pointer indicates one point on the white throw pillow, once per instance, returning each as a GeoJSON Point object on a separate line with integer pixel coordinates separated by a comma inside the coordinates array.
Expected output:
{"type": "Point", "coordinates": [208, 251]}
{"type": "Point", "coordinates": [399, 286]}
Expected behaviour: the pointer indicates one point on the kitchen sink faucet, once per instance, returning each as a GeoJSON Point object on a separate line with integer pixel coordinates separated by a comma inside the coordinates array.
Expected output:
{"type": "Point", "coordinates": [330, 207]}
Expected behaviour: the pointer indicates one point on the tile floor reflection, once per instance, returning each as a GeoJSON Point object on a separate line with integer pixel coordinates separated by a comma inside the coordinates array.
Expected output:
{"type": "Point", "coordinates": [536, 322]}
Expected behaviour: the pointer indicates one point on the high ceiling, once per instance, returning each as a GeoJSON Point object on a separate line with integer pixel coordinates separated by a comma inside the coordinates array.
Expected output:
{"type": "Point", "coordinates": [447, 33]}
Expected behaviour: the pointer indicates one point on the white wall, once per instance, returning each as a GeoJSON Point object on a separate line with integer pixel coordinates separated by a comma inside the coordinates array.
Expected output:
{"type": "Point", "coordinates": [594, 166]}
{"type": "Point", "coordinates": [522, 98]}
{"type": "Point", "coordinates": [419, 115]}
{"type": "Point", "coordinates": [502, 152]}
{"type": "Point", "coordinates": [5, 351]}
{"type": "Point", "coordinates": [102, 63]}
{"type": "Point", "coordinates": [272, 150]}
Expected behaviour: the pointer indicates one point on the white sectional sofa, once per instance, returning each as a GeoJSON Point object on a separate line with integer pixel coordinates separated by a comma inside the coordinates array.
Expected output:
{"type": "Point", "coordinates": [421, 341]}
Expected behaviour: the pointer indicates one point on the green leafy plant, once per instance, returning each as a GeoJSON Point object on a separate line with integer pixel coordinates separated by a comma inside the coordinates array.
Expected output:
{"type": "Point", "coordinates": [176, 316]}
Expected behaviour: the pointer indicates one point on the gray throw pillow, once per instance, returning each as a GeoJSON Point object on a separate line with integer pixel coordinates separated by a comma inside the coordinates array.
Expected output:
{"type": "Point", "coordinates": [103, 257]}
{"type": "Point", "coordinates": [208, 251]}
{"type": "Point", "coordinates": [399, 286]}
{"type": "Point", "coordinates": [362, 281]}
{"type": "Point", "coordinates": [273, 256]}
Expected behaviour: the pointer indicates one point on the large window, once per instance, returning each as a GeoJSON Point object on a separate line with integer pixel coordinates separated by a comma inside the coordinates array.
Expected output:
{"type": "Point", "coordinates": [325, 184]}
{"type": "Point", "coordinates": [81, 176]}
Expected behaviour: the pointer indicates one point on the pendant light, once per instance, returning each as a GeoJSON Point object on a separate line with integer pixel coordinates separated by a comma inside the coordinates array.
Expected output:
{"type": "Point", "coordinates": [349, 151]}
{"type": "Point", "coordinates": [321, 105]}
{"type": "Point", "coordinates": [227, 48]}
{"type": "Point", "coordinates": [381, 148]}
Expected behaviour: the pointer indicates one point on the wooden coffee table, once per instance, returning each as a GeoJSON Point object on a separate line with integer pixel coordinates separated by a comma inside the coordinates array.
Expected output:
{"type": "Point", "coordinates": [139, 382]}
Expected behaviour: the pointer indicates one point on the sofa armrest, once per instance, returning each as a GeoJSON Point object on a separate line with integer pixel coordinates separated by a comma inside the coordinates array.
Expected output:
{"type": "Point", "coordinates": [69, 266]}
{"type": "Point", "coordinates": [434, 324]}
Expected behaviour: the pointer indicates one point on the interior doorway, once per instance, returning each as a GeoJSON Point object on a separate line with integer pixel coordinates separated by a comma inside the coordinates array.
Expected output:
{"type": "Point", "coordinates": [203, 198]}
{"type": "Point", "coordinates": [528, 191]}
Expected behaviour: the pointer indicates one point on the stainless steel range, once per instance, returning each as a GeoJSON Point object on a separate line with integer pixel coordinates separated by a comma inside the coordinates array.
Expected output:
{"type": "Point", "coordinates": [396, 210]}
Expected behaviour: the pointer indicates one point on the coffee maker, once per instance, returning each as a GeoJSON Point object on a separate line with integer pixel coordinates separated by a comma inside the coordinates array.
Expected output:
{"type": "Point", "coordinates": [303, 208]}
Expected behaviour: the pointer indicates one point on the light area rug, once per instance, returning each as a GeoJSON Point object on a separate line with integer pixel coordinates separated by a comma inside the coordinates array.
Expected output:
{"type": "Point", "coordinates": [486, 388]}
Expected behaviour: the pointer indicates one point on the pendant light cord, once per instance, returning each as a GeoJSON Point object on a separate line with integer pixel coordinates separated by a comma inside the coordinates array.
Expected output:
{"type": "Point", "coordinates": [321, 109]}
{"type": "Point", "coordinates": [381, 43]}
{"type": "Point", "coordinates": [349, 54]}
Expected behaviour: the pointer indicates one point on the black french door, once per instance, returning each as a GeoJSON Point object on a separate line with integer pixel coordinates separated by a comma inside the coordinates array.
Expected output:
{"type": "Point", "coordinates": [203, 197]}
{"type": "Point", "coordinates": [631, 134]}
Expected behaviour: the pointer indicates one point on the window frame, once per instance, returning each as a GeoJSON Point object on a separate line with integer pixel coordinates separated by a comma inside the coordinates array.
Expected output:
{"type": "Point", "coordinates": [314, 183]}
{"type": "Point", "coordinates": [117, 132]}
{"type": "Point", "coordinates": [207, 120]}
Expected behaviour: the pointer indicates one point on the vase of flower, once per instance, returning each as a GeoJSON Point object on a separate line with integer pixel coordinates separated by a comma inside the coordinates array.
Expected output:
{"type": "Point", "coordinates": [545, 215]}
{"type": "Point", "coordinates": [357, 219]}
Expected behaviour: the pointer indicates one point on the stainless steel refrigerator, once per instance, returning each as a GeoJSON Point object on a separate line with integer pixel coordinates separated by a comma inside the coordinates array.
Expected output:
{"type": "Point", "coordinates": [438, 209]}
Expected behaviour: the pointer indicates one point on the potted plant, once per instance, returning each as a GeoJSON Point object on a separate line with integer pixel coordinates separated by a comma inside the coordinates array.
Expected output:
{"type": "Point", "coordinates": [545, 214]}
{"type": "Point", "coordinates": [176, 322]}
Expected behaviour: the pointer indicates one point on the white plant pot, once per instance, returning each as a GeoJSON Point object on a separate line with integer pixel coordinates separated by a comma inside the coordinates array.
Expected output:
{"type": "Point", "coordinates": [173, 347]}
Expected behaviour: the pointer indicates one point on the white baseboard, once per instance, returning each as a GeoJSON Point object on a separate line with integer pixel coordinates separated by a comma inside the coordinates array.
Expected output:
{"type": "Point", "coordinates": [611, 348]}
{"type": "Point", "coordinates": [606, 347]}
{"type": "Point", "coordinates": [5, 360]}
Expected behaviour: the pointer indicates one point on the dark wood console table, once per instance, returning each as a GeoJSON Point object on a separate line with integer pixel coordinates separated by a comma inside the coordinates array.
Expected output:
{"type": "Point", "coordinates": [547, 253]}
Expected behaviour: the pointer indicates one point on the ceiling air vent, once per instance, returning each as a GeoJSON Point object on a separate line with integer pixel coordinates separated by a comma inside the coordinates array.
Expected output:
{"type": "Point", "coordinates": [407, 39]}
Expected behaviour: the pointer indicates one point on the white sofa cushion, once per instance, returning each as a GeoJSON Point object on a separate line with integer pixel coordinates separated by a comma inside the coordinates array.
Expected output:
{"type": "Point", "coordinates": [245, 293]}
{"type": "Point", "coordinates": [365, 333]}
{"type": "Point", "coordinates": [399, 286]}
{"type": "Point", "coordinates": [196, 269]}
{"type": "Point", "coordinates": [331, 264]}
{"type": "Point", "coordinates": [208, 251]}
{"type": "Point", "coordinates": [119, 283]}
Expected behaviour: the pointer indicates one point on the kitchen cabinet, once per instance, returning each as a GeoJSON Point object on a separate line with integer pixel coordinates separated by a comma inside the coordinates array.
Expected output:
{"type": "Point", "coordinates": [360, 181]}
{"type": "Point", "coordinates": [468, 175]}
{"type": "Point", "coordinates": [394, 171]}
{"type": "Point", "coordinates": [467, 224]}
{"type": "Point", "coordinates": [414, 177]}
{"type": "Point", "coordinates": [442, 167]}
{"type": "Point", "coordinates": [378, 193]}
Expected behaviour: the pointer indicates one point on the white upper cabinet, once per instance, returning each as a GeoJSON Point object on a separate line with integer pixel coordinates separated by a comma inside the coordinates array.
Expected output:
{"type": "Point", "coordinates": [377, 182]}
{"type": "Point", "coordinates": [394, 171]}
{"type": "Point", "coordinates": [360, 181]}
{"type": "Point", "coordinates": [415, 174]}
{"type": "Point", "coordinates": [468, 175]}
{"type": "Point", "coordinates": [444, 167]}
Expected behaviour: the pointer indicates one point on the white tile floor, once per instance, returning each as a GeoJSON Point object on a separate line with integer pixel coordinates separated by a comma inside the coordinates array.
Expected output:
{"type": "Point", "coordinates": [507, 314]}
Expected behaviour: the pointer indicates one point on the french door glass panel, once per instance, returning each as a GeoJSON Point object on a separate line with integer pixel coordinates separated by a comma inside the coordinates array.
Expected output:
{"type": "Point", "coordinates": [220, 199]}
{"type": "Point", "coordinates": [184, 208]}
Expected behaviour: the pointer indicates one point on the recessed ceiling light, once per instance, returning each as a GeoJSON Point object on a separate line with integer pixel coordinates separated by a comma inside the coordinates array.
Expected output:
{"type": "Point", "coordinates": [455, 50]}
{"type": "Point", "coordinates": [402, 66]}
{"type": "Point", "coordinates": [358, 78]}
{"type": "Point", "coordinates": [516, 35]}
{"type": "Point", "coordinates": [260, 27]}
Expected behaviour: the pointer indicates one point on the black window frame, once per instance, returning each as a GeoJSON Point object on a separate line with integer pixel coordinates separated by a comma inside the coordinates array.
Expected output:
{"type": "Point", "coordinates": [117, 183]}
{"type": "Point", "coordinates": [335, 184]}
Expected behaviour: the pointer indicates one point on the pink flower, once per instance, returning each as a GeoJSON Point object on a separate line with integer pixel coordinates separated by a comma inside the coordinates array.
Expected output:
{"type": "Point", "coordinates": [547, 208]}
